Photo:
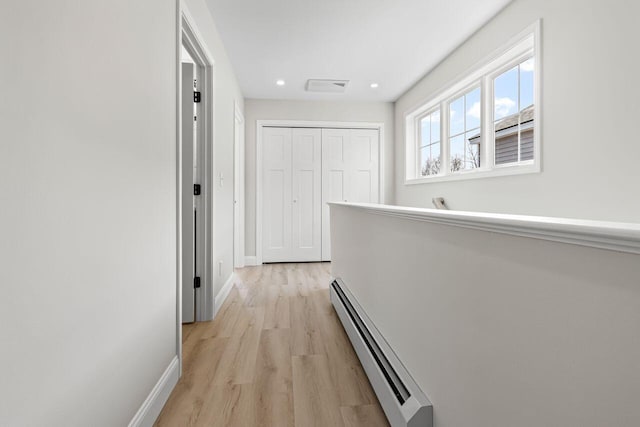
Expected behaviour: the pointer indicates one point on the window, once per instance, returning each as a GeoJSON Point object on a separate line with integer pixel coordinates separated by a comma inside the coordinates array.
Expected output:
{"type": "Point", "coordinates": [486, 124]}
{"type": "Point", "coordinates": [464, 131]}
{"type": "Point", "coordinates": [430, 161]}
{"type": "Point", "coordinates": [513, 113]}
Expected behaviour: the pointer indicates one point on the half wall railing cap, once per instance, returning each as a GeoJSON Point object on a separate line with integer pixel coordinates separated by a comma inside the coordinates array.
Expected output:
{"type": "Point", "coordinates": [619, 236]}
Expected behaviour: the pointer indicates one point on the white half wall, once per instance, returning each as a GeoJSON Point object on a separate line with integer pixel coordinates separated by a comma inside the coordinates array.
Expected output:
{"type": "Point", "coordinates": [226, 93]}
{"type": "Point", "coordinates": [261, 109]}
{"type": "Point", "coordinates": [498, 329]}
{"type": "Point", "coordinates": [88, 216]}
{"type": "Point", "coordinates": [590, 107]}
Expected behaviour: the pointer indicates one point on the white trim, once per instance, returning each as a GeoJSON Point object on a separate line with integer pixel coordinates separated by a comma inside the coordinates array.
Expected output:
{"type": "Point", "coordinates": [153, 404]}
{"type": "Point", "coordinates": [224, 292]}
{"type": "Point", "coordinates": [261, 124]}
{"type": "Point", "coordinates": [510, 169]}
{"type": "Point", "coordinates": [193, 39]}
{"type": "Point", "coordinates": [526, 44]}
{"type": "Point", "coordinates": [179, 185]}
{"type": "Point", "coordinates": [238, 187]}
{"type": "Point", "coordinates": [250, 261]}
{"type": "Point", "coordinates": [615, 236]}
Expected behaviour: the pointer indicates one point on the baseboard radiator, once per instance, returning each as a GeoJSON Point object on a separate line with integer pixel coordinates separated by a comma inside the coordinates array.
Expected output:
{"type": "Point", "coordinates": [403, 402]}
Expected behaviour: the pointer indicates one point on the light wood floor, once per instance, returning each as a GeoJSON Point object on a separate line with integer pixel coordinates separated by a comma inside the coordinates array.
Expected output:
{"type": "Point", "coordinates": [276, 355]}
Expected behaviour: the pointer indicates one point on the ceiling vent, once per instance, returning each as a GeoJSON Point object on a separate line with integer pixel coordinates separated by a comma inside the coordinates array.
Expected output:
{"type": "Point", "coordinates": [330, 86]}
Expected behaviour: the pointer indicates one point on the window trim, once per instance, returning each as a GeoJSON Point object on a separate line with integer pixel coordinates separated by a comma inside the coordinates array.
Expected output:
{"type": "Point", "coordinates": [525, 45]}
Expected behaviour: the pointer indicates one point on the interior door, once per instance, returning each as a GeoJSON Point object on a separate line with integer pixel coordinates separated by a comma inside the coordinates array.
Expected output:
{"type": "Point", "coordinates": [364, 171]}
{"type": "Point", "coordinates": [189, 133]}
{"type": "Point", "coordinates": [335, 171]}
{"type": "Point", "coordinates": [306, 233]}
{"type": "Point", "coordinates": [276, 194]}
{"type": "Point", "coordinates": [350, 172]}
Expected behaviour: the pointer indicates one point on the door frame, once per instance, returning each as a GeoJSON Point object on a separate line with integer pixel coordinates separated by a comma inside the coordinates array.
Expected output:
{"type": "Point", "coordinates": [238, 188]}
{"type": "Point", "coordinates": [261, 124]}
{"type": "Point", "coordinates": [189, 36]}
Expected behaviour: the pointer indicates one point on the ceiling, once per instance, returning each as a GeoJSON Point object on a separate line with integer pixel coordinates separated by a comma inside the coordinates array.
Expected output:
{"type": "Point", "coordinates": [390, 42]}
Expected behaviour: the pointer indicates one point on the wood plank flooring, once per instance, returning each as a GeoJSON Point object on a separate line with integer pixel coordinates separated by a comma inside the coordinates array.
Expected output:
{"type": "Point", "coordinates": [276, 355]}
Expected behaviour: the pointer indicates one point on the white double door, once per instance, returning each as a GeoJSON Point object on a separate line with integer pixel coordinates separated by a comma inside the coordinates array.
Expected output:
{"type": "Point", "coordinates": [303, 169]}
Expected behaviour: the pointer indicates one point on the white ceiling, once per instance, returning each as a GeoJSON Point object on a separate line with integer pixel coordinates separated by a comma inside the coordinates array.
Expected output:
{"type": "Point", "coordinates": [390, 42]}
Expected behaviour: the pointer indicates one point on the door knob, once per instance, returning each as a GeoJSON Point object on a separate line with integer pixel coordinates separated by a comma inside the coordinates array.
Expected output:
{"type": "Point", "coordinates": [295, 200]}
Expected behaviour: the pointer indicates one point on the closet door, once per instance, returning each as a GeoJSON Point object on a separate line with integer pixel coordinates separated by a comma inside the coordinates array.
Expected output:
{"type": "Point", "coordinates": [350, 172]}
{"type": "Point", "coordinates": [363, 166]}
{"type": "Point", "coordinates": [306, 234]}
{"type": "Point", "coordinates": [276, 197]}
{"type": "Point", "coordinates": [335, 176]}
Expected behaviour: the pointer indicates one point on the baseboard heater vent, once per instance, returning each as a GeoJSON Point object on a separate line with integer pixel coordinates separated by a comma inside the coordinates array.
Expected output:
{"type": "Point", "coordinates": [400, 397]}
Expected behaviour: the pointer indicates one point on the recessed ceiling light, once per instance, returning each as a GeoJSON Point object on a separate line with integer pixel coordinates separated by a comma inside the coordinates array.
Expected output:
{"type": "Point", "coordinates": [374, 85]}
{"type": "Point", "coordinates": [280, 82]}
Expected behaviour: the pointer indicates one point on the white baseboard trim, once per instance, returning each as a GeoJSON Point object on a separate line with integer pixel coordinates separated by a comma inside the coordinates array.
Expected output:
{"type": "Point", "coordinates": [250, 260]}
{"type": "Point", "coordinates": [153, 404]}
{"type": "Point", "coordinates": [224, 292]}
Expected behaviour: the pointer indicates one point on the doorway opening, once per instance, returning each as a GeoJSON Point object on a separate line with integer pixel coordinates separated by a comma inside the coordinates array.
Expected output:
{"type": "Point", "coordinates": [195, 175]}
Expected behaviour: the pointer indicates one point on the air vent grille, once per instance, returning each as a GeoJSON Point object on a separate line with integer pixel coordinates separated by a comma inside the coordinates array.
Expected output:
{"type": "Point", "coordinates": [328, 86]}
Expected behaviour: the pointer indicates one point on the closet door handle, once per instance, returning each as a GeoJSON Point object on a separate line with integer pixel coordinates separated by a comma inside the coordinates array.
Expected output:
{"type": "Point", "coordinates": [295, 200]}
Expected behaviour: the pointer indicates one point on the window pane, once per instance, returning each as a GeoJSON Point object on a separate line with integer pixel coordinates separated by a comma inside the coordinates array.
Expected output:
{"type": "Point", "coordinates": [456, 116]}
{"type": "Point", "coordinates": [505, 98]}
{"type": "Point", "coordinates": [424, 160]}
{"type": "Point", "coordinates": [435, 151]}
{"type": "Point", "coordinates": [430, 160]}
{"type": "Point", "coordinates": [425, 131]}
{"type": "Point", "coordinates": [514, 120]}
{"type": "Point", "coordinates": [527, 70]}
{"type": "Point", "coordinates": [473, 109]}
{"type": "Point", "coordinates": [435, 126]}
{"type": "Point", "coordinates": [526, 134]}
{"type": "Point", "coordinates": [457, 158]}
{"type": "Point", "coordinates": [472, 150]}
{"type": "Point", "coordinates": [526, 83]}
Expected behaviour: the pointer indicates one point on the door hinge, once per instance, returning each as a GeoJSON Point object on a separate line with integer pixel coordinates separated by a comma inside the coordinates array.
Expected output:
{"type": "Point", "coordinates": [196, 96]}
{"type": "Point", "coordinates": [196, 189]}
{"type": "Point", "coordinates": [196, 282]}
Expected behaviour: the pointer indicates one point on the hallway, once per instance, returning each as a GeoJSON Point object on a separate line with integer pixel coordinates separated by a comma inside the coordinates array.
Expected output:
{"type": "Point", "coordinates": [276, 355]}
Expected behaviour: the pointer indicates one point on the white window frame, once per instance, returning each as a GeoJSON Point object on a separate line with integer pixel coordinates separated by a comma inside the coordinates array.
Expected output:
{"type": "Point", "coordinates": [524, 45]}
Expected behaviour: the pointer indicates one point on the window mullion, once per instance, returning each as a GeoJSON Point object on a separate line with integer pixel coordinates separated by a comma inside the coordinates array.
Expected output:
{"type": "Point", "coordinates": [519, 115]}
{"type": "Point", "coordinates": [416, 149]}
{"type": "Point", "coordinates": [487, 140]}
{"type": "Point", "coordinates": [444, 136]}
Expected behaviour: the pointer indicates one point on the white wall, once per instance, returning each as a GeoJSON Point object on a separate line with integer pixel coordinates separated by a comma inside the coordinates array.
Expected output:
{"type": "Point", "coordinates": [589, 114]}
{"type": "Point", "coordinates": [227, 92]}
{"type": "Point", "coordinates": [499, 330]}
{"type": "Point", "coordinates": [88, 216]}
{"type": "Point", "coordinates": [259, 109]}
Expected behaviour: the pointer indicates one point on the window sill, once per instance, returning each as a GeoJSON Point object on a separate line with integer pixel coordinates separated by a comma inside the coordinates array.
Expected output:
{"type": "Point", "coordinates": [519, 169]}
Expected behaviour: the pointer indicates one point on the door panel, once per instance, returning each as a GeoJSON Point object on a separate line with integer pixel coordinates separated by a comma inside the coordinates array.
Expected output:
{"type": "Point", "coordinates": [277, 205]}
{"type": "Point", "coordinates": [349, 172]}
{"type": "Point", "coordinates": [335, 177]}
{"type": "Point", "coordinates": [277, 173]}
{"type": "Point", "coordinates": [306, 207]}
{"type": "Point", "coordinates": [188, 152]}
{"type": "Point", "coordinates": [364, 166]}
{"type": "Point", "coordinates": [361, 191]}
